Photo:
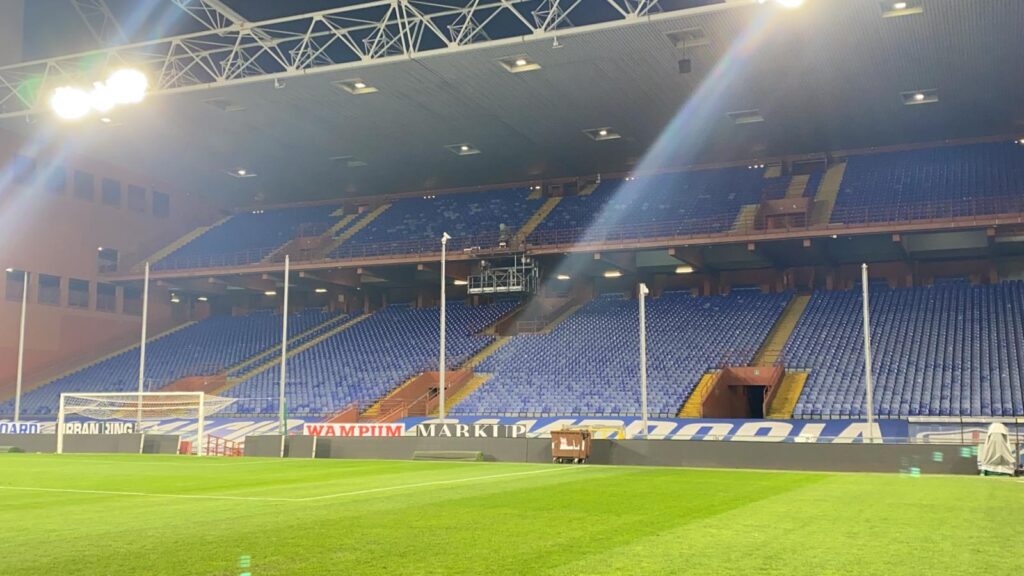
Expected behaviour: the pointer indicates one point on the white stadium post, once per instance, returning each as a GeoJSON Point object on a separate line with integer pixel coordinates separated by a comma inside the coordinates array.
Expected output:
{"type": "Point", "coordinates": [643, 357]}
{"type": "Point", "coordinates": [60, 425]}
{"type": "Point", "coordinates": [284, 350]}
{"type": "Point", "coordinates": [441, 363]}
{"type": "Point", "coordinates": [868, 383]}
{"type": "Point", "coordinates": [142, 344]}
{"type": "Point", "coordinates": [21, 348]}
{"type": "Point", "coordinates": [201, 431]}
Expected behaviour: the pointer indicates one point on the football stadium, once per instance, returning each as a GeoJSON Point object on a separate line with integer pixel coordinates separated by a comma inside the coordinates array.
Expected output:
{"type": "Point", "coordinates": [555, 287]}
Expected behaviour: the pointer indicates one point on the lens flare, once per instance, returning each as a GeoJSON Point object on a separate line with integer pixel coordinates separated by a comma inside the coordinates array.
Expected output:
{"type": "Point", "coordinates": [70, 103]}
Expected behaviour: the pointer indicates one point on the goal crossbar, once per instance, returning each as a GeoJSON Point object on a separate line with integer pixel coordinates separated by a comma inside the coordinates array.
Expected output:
{"type": "Point", "coordinates": [139, 407]}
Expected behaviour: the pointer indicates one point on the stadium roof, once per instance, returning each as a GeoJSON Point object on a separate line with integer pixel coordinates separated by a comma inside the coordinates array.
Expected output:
{"type": "Point", "coordinates": [829, 76]}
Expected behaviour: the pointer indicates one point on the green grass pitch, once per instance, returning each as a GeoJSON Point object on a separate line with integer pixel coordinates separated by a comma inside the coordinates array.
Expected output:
{"type": "Point", "coordinates": [154, 515]}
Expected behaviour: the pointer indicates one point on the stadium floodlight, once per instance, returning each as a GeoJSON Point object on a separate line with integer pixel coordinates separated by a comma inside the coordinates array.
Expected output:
{"type": "Point", "coordinates": [70, 103]}
{"type": "Point", "coordinates": [563, 277]}
{"type": "Point", "coordinates": [790, 3]}
{"type": "Point", "coordinates": [101, 98]}
{"type": "Point", "coordinates": [127, 86]}
{"type": "Point", "coordinates": [612, 274]}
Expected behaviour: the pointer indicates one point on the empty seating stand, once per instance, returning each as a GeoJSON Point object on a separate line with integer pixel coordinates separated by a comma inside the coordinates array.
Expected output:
{"type": "Point", "coordinates": [700, 201]}
{"type": "Point", "coordinates": [364, 362]}
{"type": "Point", "coordinates": [207, 347]}
{"type": "Point", "coordinates": [249, 237]}
{"type": "Point", "coordinates": [942, 182]}
{"type": "Point", "coordinates": [412, 225]}
{"type": "Point", "coordinates": [952, 349]}
{"type": "Point", "coordinates": [589, 364]}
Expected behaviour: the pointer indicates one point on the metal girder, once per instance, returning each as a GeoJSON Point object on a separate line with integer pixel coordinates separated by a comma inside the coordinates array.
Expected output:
{"type": "Point", "coordinates": [100, 21]}
{"type": "Point", "coordinates": [236, 52]}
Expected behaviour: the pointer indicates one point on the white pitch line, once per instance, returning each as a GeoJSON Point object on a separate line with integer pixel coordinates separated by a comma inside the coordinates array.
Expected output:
{"type": "Point", "coordinates": [272, 499]}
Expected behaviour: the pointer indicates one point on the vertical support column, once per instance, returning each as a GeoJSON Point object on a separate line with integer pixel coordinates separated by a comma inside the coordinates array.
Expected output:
{"type": "Point", "coordinates": [442, 366]}
{"type": "Point", "coordinates": [284, 349]}
{"type": "Point", "coordinates": [868, 382]}
{"type": "Point", "coordinates": [21, 348]}
{"type": "Point", "coordinates": [60, 426]}
{"type": "Point", "coordinates": [643, 357]}
{"type": "Point", "coordinates": [201, 433]}
{"type": "Point", "coordinates": [142, 347]}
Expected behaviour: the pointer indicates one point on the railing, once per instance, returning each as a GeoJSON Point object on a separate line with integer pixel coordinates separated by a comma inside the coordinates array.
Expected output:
{"type": "Point", "coordinates": [710, 227]}
{"type": "Point", "coordinates": [217, 446]}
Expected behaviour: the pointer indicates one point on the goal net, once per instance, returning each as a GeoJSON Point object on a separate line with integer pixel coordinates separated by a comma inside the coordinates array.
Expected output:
{"type": "Point", "coordinates": [134, 412]}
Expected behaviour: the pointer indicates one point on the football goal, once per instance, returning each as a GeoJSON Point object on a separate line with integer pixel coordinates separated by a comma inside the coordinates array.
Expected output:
{"type": "Point", "coordinates": [134, 412]}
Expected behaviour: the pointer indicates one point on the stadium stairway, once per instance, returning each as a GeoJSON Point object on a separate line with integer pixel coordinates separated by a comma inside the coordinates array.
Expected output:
{"type": "Point", "coordinates": [771, 349]}
{"type": "Point", "coordinates": [692, 407]}
{"type": "Point", "coordinates": [797, 186]}
{"type": "Point", "coordinates": [276, 360]}
{"type": "Point", "coordinates": [746, 219]}
{"type": "Point", "coordinates": [774, 171]}
{"type": "Point", "coordinates": [536, 219]}
{"type": "Point", "coordinates": [825, 196]}
{"type": "Point", "coordinates": [293, 341]}
{"type": "Point", "coordinates": [29, 386]}
{"type": "Point", "coordinates": [475, 381]}
{"type": "Point", "coordinates": [355, 227]}
{"type": "Point", "coordinates": [789, 392]}
{"type": "Point", "coordinates": [589, 189]}
{"type": "Point", "coordinates": [173, 246]}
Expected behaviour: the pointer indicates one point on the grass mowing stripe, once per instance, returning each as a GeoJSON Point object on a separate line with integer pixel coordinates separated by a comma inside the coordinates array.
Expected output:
{"type": "Point", "coordinates": [272, 499]}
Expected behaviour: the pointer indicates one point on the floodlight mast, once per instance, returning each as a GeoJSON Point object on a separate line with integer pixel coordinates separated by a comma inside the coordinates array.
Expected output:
{"type": "Point", "coordinates": [142, 344]}
{"type": "Point", "coordinates": [643, 292]}
{"type": "Point", "coordinates": [21, 347]}
{"type": "Point", "coordinates": [441, 364]}
{"type": "Point", "coordinates": [868, 381]}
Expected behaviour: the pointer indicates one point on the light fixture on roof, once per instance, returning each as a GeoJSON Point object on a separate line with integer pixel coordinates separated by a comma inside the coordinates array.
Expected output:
{"type": "Point", "coordinates": [270, 293]}
{"type": "Point", "coordinates": [241, 173]}
{"type": "Point", "coordinates": [602, 133]}
{"type": "Point", "coordinates": [106, 120]}
{"type": "Point", "coordinates": [685, 269]}
{"type": "Point", "coordinates": [202, 298]}
{"type": "Point", "coordinates": [356, 86]}
{"type": "Point", "coordinates": [463, 149]}
{"type": "Point", "coordinates": [892, 8]}
{"type": "Point", "coordinates": [913, 97]}
{"type": "Point", "coordinates": [460, 282]}
{"type": "Point", "coordinates": [175, 299]}
{"type": "Point", "coordinates": [740, 117]}
{"type": "Point", "coordinates": [518, 63]}
{"type": "Point", "coordinates": [563, 277]}
{"type": "Point", "coordinates": [790, 3]}
{"type": "Point", "coordinates": [612, 274]}
{"type": "Point", "coordinates": [9, 270]}
{"type": "Point", "coordinates": [320, 290]}
{"type": "Point", "coordinates": [125, 86]}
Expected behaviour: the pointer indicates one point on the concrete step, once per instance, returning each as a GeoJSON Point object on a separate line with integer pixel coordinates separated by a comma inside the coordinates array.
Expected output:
{"type": "Point", "coordinates": [771, 349]}
{"type": "Point", "coordinates": [825, 196]}
{"type": "Point", "coordinates": [692, 407]}
{"type": "Point", "coordinates": [746, 219]}
{"type": "Point", "coordinates": [291, 341]}
{"type": "Point", "coordinates": [354, 228]}
{"type": "Point", "coordinates": [787, 396]}
{"type": "Point", "coordinates": [797, 186]}
{"type": "Point", "coordinates": [170, 248]}
{"type": "Point", "coordinates": [536, 219]}
{"type": "Point", "coordinates": [475, 382]}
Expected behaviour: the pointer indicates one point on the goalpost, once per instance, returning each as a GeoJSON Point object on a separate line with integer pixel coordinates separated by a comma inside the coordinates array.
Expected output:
{"type": "Point", "coordinates": [138, 408]}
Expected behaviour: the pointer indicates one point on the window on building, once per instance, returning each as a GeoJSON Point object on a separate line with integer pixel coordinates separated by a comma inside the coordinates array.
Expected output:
{"type": "Point", "coordinates": [106, 297]}
{"type": "Point", "coordinates": [106, 260]}
{"type": "Point", "coordinates": [132, 300]}
{"type": "Point", "coordinates": [110, 192]}
{"type": "Point", "coordinates": [136, 200]}
{"type": "Point", "coordinates": [85, 186]}
{"type": "Point", "coordinates": [49, 290]}
{"type": "Point", "coordinates": [56, 181]}
{"type": "Point", "coordinates": [161, 204]}
{"type": "Point", "coordinates": [78, 293]}
{"type": "Point", "coordinates": [15, 284]}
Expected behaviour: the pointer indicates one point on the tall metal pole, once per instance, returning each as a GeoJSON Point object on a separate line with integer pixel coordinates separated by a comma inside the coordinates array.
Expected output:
{"type": "Point", "coordinates": [441, 365]}
{"type": "Point", "coordinates": [643, 357]}
{"type": "Point", "coordinates": [284, 348]}
{"type": "Point", "coordinates": [142, 347]}
{"type": "Point", "coordinates": [868, 383]}
{"type": "Point", "coordinates": [21, 348]}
